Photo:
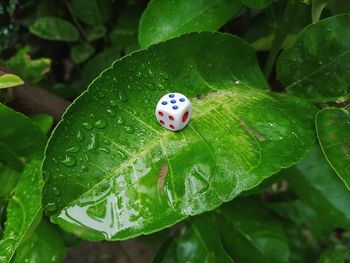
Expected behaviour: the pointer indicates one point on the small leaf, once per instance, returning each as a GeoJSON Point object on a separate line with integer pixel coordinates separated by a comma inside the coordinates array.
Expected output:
{"type": "Point", "coordinates": [257, 4]}
{"type": "Point", "coordinates": [28, 68]}
{"type": "Point", "coordinates": [251, 234]}
{"type": "Point", "coordinates": [336, 254]}
{"type": "Point", "coordinates": [81, 52]}
{"type": "Point", "coordinates": [333, 132]}
{"type": "Point", "coordinates": [20, 134]}
{"type": "Point", "coordinates": [92, 12]}
{"type": "Point", "coordinates": [125, 175]}
{"type": "Point", "coordinates": [9, 80]}
{"type": "Point", "coordinates": [43, 121]}
{"type": "Point", "coordinates": [314, 181]}
{"type": "Point", "coordinates": [198, 241]}
{"type": "Point", "coordinates": [317, 65]}
{"type": "Point", "coordinates": [23, 211]}
{"type": "Point", "coordinates": [44, 245]}
{"type": "Point", "coordinates": [163, 20]}
{"type": "Point", "coordinates": [54, 28]}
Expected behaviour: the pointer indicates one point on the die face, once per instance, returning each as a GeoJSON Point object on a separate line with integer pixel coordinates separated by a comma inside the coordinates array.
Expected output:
{"type": "Point", "coordinates": [174, 111]}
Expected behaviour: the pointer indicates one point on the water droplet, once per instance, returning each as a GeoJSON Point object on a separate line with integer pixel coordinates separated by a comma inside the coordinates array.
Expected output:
{"type": "Point", "coordinates": [100, 124]}
{"type": "Point", "coordinates": [120, 119]}
{"type": "Point", "coordinates": [84, 168]}
{"type": "Point", "coordinates": [79, 137]}
{"type": "Point", "coordinates": [54, 160]}
{"type": "Point", "coordinates": [92, 116]}
{"type": "Point", "coordinates": [113, 103]}
{"type": "Point", "coordinates": [87, 125]}
{"type": "Point", "coordinates": [139, 75]}
{"type": "Point", "coordinates": [51, 206]}
{"type": "Point", "coordinates": [101, 95]}
{"type": "Point", "coordinates": [150, 73]}
{"type": "Point", "coordinates": [73, 149]}
{"type": "Point", "coordinates": [111, 112]}
{"type": "Point", "coordinates": [122, 96]}
{"type": "Point", "coordinates": [105, 150]}
{"type": "Point", "coordinates": [69, 161]}
{"type": "Point", "coordinates": [93, 143]}
{"type": "Point", "coordinates": [129, 129]}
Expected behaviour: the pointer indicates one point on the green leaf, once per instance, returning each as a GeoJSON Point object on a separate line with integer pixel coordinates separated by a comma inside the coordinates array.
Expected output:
{"type": "Point", "coordinates": [43, 121]}
{"type": "Point", "coordinates": [251, 234]}
{"type": "Point", "coordinates": [54, 28]}
{"type": "Point", "coordinates": [163, 20]}
{"type": "Point", "coordinates": [317, 8]}
{"type": "Point", "coordinates": [10, 158]}
{"type": "Point", "coordinates": [314, 181]}
{"type": "Point", "coordinates": [44, 245]}
{"type": "Point", "coordinates": [92, 12]}
{"type": "Point", "coordinates": [109, 152]}
{"type": "Point", "coordinates": [9, 80]}
{"type": "Point", "coordinates": [23, 211]}
{"type": "Point", "coordinates": [98, 63]}
{"type": "Point", "coordinates": [21, 135]}
{"type": "Point", "coordinates": [28, 68]}
{"type": "Point", "coordinates": [257, 4]}
{"type": "Point", "coordinates": [333, 132]}
{"type": "Point", "coordinates": [8, 181]}
{"type": "Point", "coordinates": [81, 52]}
{"type": "Point", "coordinates": [317, 65]}
{"type": "Point", "coordinates": [198, 241]}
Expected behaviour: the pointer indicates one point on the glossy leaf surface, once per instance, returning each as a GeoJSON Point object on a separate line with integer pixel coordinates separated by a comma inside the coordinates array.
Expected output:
{"type": "Point", "coordinates": [45, 245]}
{"type": "Point", "coordinates": [127, 175]}
{"type": "Point", "coordinates": [251, 234]}
{"type": "Point", "coordinates": [53, 28]}
{"type": "Point", "coordinates": [198, 241]}
{"type": "Point", "coordinates": [317, 65]}
{"type": "Point", "coordinates": [163, 20]}
{"type": "Point", "coordinates": [23, 211]}
{"type": "Point", "coordinates": [315, 182]}
{"type": "Point", "coordinates": [333, 132]}
{"type": "Point", "coordinates": [9, 80]}
{"type": "Point", "coordinates": [20, 135]}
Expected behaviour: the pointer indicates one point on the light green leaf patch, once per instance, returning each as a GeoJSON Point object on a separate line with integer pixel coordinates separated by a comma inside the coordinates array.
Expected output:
{"type": "Point", "coordinates": [23, 211]}
{"type": "Point", "coordinates": [126, 175]}
{"type": "Point", "coordinates": [9, 80]}
{"type": "Point", "coordinates": [333, 132]}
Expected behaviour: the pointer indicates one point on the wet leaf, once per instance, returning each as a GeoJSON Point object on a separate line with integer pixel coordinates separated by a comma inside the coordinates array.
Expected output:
{"type": "Point", "coordinates": [163, 20]}
{"type": "Point", "coordinates": [127, 175]}
{"type": "Point", "coordinates": [20, 135]}
{"type": "Point", "coordinates": [95, 32]}
{"type": "Point", "coordinates": [251, 234]}
{"type": "Point", "coordinates": [45, 245]}
{"type": "Point", "coordinates": [317, 65]}
{"type": "Point", "coordinates": [314, 181]}
{"type": "Point", "coordinates": [198, 241]}
{"type": "Point", "coordinates": [92, 12]}
{"type": "Point", "coordinates": [54, 28]}
{"type": "Point", "coordinates": [257, 4]}
{"type": "Point", "coordinates": [28, 68]}
{"type": "Point", "coordinates": [336, 254]}
{"type": "Point", "coordinates": [333, 132]}
{"type": "Point", "coordinates": [9, 80]}
{"type": "Point", "coordinates": [23, 211]}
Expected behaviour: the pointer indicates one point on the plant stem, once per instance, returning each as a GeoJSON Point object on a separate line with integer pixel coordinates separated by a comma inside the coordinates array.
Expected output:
{"type": "Point", "coordinates": [76, 22]}
{"type": "Point", "coordinates": [280, 34]}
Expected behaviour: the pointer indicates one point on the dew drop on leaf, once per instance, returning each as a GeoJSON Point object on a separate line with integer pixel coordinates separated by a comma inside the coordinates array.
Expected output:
{"type": "Point", "coordinates": [56, 191]}
{"type": "Point", "coordinates": [129, 129]}
{"type": "Point", "coordinates": [79, 137]}
{"type": "Point", "coordinates": [69, 161]}
{"type": "Point", "coordinates": [111, 112]}
{"type": "Point", "coordinates": [73, 149]}
{"type": "Point", "coordinates": [100, 124]}
{"type": "Point", "coordinates": [113, 103]}
{"type": "Point", "coordinates": [87, 125]}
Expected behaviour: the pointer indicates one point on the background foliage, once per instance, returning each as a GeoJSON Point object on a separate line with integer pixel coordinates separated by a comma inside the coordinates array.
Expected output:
{"type": "Point", "coordinates": [261, 173]}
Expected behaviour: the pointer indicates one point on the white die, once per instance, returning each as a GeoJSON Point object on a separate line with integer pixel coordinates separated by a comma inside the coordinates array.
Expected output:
{"type": "Point", "coordinates": [174, 111]}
